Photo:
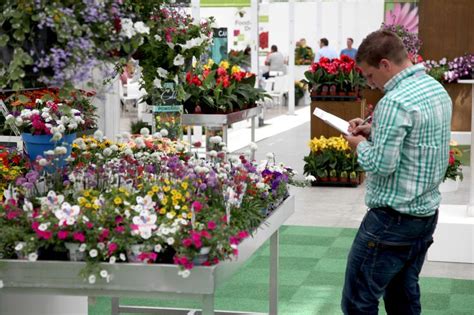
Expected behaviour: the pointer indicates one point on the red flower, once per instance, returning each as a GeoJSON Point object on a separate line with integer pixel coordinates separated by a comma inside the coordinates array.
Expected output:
{"type": "Point", "coordinates": [211, 225]}
{"type": "Point", "coordinates": [221, 72]}
{"type": "Point", "coordinates": [452, 158]}
{"type": "Point", "coordinates": [62, 235]}
{"type": "Point", "coordinates": [196, 205]}
{"type": "Point", "coordinates": [112, 248]}
{"type": "Point", "coordinates": [79, 236]}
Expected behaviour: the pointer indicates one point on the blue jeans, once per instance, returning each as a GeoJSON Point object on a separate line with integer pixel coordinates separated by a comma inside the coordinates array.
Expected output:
{"type": "Point", "coordinates": [385, 260]}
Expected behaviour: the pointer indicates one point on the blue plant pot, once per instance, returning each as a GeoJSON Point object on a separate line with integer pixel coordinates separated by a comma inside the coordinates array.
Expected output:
{"type": "Point", "coordinates": [36, 145]}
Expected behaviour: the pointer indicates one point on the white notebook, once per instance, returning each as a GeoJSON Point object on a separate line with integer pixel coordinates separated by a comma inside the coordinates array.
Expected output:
{"type": "Point", "coordinates": [334, 121]}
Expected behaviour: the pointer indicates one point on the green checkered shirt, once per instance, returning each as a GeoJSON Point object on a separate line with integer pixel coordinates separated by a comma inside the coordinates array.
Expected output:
{"type": "Point", "coordinates": [407, 155]}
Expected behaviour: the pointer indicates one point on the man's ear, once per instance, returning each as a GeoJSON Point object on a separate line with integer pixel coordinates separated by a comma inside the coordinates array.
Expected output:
{"type": "Point", "coordinates": [385, 64]}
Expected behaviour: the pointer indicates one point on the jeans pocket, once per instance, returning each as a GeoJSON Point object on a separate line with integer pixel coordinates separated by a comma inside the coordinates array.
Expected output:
{"type": "Point", "coordinates": [375, 223]}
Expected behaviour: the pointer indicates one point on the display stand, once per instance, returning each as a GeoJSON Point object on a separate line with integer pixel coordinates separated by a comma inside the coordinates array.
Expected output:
{"type": "Point", "coordinates": [454, 235]}
{"type": "Point", "coordinates": [222, 121]}
{"type": "Point", "coordinates": [147, 281]}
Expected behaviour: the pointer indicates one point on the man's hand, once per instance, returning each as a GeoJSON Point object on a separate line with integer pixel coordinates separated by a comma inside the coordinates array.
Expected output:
{"type": "Point", "coordinates": [356, 127]}
{"type": "Point", "coordinates": [355, 140]}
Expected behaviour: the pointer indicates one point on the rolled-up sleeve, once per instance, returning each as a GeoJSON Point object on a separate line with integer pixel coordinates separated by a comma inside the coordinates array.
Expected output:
{"type": "Point", "coordinates": [381, 155]}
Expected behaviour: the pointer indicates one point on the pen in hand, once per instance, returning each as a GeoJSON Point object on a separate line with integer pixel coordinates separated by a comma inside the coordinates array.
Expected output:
{"type": "Point", "coordinates": [364, 122]}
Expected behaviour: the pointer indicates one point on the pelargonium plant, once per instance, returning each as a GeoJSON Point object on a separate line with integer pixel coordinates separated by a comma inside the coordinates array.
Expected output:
{"type": "Point", "coordinates": [47, 118]}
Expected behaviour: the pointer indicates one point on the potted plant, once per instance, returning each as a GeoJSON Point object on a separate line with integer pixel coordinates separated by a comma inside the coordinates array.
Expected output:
{"type": "Point", "coordinates": [343, 177]}
{"type": "Point", "coordinates": [354, 178]}
{"type": "Point", "coordinates": [333, 175]}
{"type": "Point", "coordinates": [453, 174]}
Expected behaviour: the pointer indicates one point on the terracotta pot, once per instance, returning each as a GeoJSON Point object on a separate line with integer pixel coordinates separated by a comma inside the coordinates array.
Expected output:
{"type": "Point", "coordinates": [343, 179]}
{"type": "Point", "coordinates": [332, 90]}
{"type": "Point", "coordinates": [324, 90]}
{"type": "Point", "coordinates": [333, 179]}
{"type": "Point", "coordinates": [323, 179]}
{"type": "Point", "coordinates": [342, 93]}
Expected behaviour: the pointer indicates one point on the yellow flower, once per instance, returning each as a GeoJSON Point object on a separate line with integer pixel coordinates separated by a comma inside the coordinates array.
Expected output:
{"type": "Point", "coordinates": [184, 208]}
{"type": "Point", "coordinates": [172, 214]}
{"type": "Point", "coordinates": [117, 200]}
{"type": "Point", "coordinates": [155, 188]}
{"type": "Point", "coordinates": [96, 206]}
{"type": "Point", "coordinates": [122, 190]}
{"type": "Point", "coordinates": [162, 211]}
{"type": "Point", "coordinates": [166, 188]}
{"type": "Point", "coordinates": [235, 69]}
{"type": "Point", "coordinates": [86, 193]}
{"type": "Point", "coordinates": [190, 215]}
{"type": "Point", "coordinates": [184, 185]}
{"type": "Point", "coordinates": [88, 205]}
{"type": "Point", "coordinates": [150, 193]}
{"type": "Point", "coordinates": [82, 201]}
{"type": "Point", "coordinates": [164, 200]}
{"type": "Point", "coordinates": [224, 64]}
{"type": "Point", "coordinates": [210, 62]}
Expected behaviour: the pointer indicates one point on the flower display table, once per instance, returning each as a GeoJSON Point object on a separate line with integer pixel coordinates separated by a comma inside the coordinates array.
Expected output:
{"type": "Point", "coordinates": [146, 281]}
{"type": "Point", "coordinates": [222, 121]}
{"type": "Point", "coordinates": [456, 222]}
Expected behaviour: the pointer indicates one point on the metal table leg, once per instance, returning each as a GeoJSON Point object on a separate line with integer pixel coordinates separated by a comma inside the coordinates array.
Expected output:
{"type": "Point", "coordinates": [274, 263]}
{"type": "Point", "coordinates": [208, 304]}
{"type": "Point", "coordinates": [252, 136]}
{"type": "Point", "coordinates": [190, 138]}
{"type": "Point", "coordinates": [115, 306]}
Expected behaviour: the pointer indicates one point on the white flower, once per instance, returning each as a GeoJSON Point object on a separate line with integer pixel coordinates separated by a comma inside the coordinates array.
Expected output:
{"type": "Point", "coordinates": [170, 241]}
{"type": "Point", "coordinates": [157, 83]}
{"type": "Point", "coordinates": [93, 253]}
{"type": "Point", "coordinates": [114, 147]}
{"type": "Point", "coordinates": [260, 185]}
{"type": "Point", "coordinates": [270, 156]}
{"type": "Point", "coordinates": [32, 256]}
{"type": "Point", "coordinates": [162, 72]}
{"type": "Point", "coordinates": [101, 246]}
{"type": "Point", "coordinates": [157, 135]}
{"type": "Point", "coordinates": [104, 273]}
{"type": "Point", "coordinates": [107, 152]}
{"type": "Point", "coordinates": [158, 248]}
{"type": "Point", "coordinates": [60, 150]}
{"type": "Point", "coordinates": [49, 152]}
{"type": "Point", "coordinates": [158, 38]}
{"type": "Point", "coordinates": [169, 215]}
{"type": "Point", "coordinates": [212, 153]}
{"type": "Point", "coordinates": [127, 28]}
{"type": "Point", "coordinates": [215, 139]}
{"type": "Point", "coordinates": [146, 223]}
{"type": "Point", "coordinates": [19, 246]}
{"type": "Point", "coordinates": [99, 135]}
{"type": "Point", "coordinates": [184, 273]}
{"type": "Point", "coordinates": [67, 213]}
{"type": "Point", "coordinates": [112, 260]}
{"type": "Point", "coordinates": [253, 146]}
{"type": "Point", "coordinates": [82, 248]}
{"type": "Point", "coordinates": [18, 121]}
{"type": "Point", "coordinates": [141, 28]}
{"type": "Point", "coordinates": [310, 178]}
{"type": "Point", "coordinates": [122, 257]}
{"type": "Point", "coordinates": [43, 162]}
{"type": "Point", "coordinates": [92, 279]}
{"type": "Point", "coordinates": [56, 137]}
{"type": "Point", "coordinates": [145, 132]}
{"type": "Point", "coordinates": [43, 227]}
{"type": "Point", "coordinates": [178, 60]}
{"type": "Point", "coordinates": [164, 132]}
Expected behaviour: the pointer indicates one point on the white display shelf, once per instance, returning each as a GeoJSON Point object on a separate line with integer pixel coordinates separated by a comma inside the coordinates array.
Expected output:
{"type": "Point", "coordinates": [147, 281]}
{"type": "Point", "coordinates": [454, 235]}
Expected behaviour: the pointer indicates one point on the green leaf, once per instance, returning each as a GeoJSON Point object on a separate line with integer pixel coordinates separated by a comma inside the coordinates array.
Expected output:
{"type": "Point", "coordinates": [4, 38]}
{"type": "Point", "coordinates": [19, 35]}
{"type": "Point", "coordinates": [23, 99]}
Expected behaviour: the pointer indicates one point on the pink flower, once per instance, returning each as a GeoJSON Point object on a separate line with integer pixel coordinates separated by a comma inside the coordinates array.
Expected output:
{"type": "Point", "coordinates": [62, 235]}
{"type": "Point", "coordinates": [147, 257]}
{"type": "Point", "coordinates": [89, 225]}
{"type": "Point", "coordinates": [403, 15]}
{"type": "Point", "coordinates": [196, 205]}
{"type": "Point", "coordinates": [119, 229]}
{"type": "Point", "coordinates": [112, 248]}
{"type": "Point", "coordinates": [206, 234]}
{"type": "Point", "coordinates": [198, 243]}
{"type": "Point", "coordinates": [234, 240]}
{"type": "Point", "coordinates": [118, 219]}
{"type": "Point", "coordinates": [187, 242]}
{"type": "Point", "coordinates": [211, 225]}
{"type": "Point", "coordinates": [104, 235]}
{"type": "Point", "coordinates": [243, 234]}
{"type": "Point", "coordinates": [79, 236]}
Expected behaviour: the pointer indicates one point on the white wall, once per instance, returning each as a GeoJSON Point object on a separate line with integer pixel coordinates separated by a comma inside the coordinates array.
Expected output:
{"type": "Point", "coordinates": [356, 19]}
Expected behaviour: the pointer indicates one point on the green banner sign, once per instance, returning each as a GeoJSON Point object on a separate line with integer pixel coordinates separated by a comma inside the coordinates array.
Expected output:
{"type": "Point", "coordinates": [225, 3]}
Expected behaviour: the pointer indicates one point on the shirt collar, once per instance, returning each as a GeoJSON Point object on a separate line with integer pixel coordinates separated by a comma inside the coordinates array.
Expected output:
{"type": "Point", "coordinates": [408, 72]}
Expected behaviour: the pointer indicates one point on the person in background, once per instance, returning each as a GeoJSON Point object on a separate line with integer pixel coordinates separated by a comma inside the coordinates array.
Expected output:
{"type": "Point", "coordinates": [325, 50]}
{"type": "Point", "coordinates": [349, 51]}
{"type": "Point", "coordinates": [275, 62]}
{"type": "Point", "coordinates": [405, 153]}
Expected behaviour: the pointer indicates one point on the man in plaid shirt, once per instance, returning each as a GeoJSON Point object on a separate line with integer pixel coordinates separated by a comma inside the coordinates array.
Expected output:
{"type": "Point", "coordinates": [405, 153]}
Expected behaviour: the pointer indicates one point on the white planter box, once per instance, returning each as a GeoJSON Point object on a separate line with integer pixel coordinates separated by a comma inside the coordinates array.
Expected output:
{"type": "Point", "coordinates": [14, 140]}
{"type": "Point", "coordinates": [449, 186]}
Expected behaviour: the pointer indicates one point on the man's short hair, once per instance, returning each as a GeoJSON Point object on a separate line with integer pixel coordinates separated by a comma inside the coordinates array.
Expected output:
{"type": "Point", "coordinates": [380, 45]}
{"type": "Point", "coordinates": [350, 38]}
{"type": "Point", "coordinates": [325, 41]}
{"type": "Point", "coordinates": [274, 48]}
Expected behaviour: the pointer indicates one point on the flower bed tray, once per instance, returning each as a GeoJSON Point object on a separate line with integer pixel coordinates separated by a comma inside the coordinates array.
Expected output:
{"type": "Point", "coordinates": [318, 183]}
{"type": "Point", "coordinates": [147, 281]}
{"type": "Point", "coordinates": [217, 120]}
{"type": "Point", "coordinates": [345, 98]}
